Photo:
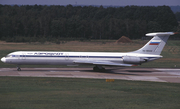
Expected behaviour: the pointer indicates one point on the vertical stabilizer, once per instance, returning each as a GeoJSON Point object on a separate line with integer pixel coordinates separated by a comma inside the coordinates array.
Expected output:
{"type": "Point", "coordinates": [156, 44]}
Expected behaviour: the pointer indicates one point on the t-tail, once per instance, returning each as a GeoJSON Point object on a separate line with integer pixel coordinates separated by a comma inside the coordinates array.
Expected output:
{"type": "Point", "coordinates": [156, 44]}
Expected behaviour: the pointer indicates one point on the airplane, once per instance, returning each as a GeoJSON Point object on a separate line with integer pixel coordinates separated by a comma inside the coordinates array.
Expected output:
{"type": "Point", "coordinates": [149, 52]}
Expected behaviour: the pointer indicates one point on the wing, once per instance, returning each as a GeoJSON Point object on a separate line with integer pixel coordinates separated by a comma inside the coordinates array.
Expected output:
{"type": "Point", "coordinates": [105, 63]}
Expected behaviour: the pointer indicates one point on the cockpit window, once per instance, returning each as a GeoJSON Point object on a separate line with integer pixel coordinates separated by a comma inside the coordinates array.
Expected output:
{"type": "Point", "coordinates": [8, 56]}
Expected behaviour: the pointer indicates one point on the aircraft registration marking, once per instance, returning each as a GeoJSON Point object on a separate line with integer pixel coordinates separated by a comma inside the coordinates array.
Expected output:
{"type": "Point", "coordinates": [147, 50]}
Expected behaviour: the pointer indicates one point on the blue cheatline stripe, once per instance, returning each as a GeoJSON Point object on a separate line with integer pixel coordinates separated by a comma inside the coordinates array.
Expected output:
{"type": "Point", "coordinates": [74, 56]}
{"type": "Point", "coordinates": [69, 56]}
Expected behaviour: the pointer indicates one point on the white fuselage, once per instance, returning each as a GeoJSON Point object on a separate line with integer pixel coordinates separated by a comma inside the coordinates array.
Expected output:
{"type": "Point", "coordinates": [73, 58]}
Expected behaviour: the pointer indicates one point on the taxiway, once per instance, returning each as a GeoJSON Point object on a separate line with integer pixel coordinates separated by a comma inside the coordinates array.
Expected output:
{"type": "Point", "coordinates": [138, 74]}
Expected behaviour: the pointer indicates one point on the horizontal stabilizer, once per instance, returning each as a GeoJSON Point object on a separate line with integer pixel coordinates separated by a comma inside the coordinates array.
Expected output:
{"type": "Point", "coordinates": [161, 34]}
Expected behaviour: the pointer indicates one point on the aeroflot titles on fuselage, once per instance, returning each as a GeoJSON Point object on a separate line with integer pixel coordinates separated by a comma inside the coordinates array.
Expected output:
{"type": "Point", "coordinates": [48, 54]}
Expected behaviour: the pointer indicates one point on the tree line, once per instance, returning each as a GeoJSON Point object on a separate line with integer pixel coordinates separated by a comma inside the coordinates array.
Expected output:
{"type": "Point", "coordinates": [40, 22]}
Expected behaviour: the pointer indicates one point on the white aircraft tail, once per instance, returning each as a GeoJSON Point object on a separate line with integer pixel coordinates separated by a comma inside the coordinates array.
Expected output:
{"type": "Point", "coordinates": [156, 44]}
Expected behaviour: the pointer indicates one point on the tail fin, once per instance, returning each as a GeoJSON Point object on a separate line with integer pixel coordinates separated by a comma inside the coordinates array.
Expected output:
{"type": "Point", "coordinates": [156, 44]}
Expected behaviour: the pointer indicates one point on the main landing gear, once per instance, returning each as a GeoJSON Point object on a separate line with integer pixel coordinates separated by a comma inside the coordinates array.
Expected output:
{"type": "Point", "coordinates": [98, 68]}
{"type": "Point", "coordinates": [18, 68]}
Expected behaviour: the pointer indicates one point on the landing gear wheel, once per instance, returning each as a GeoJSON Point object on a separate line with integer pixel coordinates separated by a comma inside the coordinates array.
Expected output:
{"type": "Point", "coordinates": [95, 68]}
{"type": "Point", "coordinates": [18, 69]}
{"type": "Point", "coordinates": [99, 69]}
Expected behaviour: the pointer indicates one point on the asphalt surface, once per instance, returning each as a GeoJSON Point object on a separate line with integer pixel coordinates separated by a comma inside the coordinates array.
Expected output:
{"type": "Point", "coordinates": [137, 74]}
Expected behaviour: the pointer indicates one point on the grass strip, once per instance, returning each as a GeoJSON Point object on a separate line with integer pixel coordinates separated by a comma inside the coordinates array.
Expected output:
{"type": "Point", "coordinates": [65, 93]}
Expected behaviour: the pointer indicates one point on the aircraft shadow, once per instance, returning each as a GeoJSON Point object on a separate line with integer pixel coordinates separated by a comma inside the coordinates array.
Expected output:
{"type": "Point", "coordinates": [139, 71]}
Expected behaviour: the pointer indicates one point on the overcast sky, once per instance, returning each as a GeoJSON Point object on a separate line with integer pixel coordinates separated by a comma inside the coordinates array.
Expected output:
{"type": "Point", "coordinates": [93, 2]}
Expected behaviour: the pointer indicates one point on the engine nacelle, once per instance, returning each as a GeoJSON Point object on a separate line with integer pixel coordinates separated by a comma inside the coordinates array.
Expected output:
{"type": "Point", "coordinates": [133, 60]}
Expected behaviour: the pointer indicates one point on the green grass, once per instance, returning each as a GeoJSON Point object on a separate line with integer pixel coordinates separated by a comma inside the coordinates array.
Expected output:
{"type": "Point", "coordinates": [64, 93]}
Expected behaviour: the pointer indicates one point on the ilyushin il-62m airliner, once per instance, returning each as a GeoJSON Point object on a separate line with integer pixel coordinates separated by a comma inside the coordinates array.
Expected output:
{"type": "Point", "coordinates": [149, 52]}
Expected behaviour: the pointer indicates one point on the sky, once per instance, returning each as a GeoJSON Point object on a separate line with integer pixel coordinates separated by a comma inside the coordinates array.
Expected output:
{"type": "Point", "coordinates": [93, 2]}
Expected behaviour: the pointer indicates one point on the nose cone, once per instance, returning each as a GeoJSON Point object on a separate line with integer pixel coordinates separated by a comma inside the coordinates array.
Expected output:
{"type": "Point", "coordinates": [3, 59]}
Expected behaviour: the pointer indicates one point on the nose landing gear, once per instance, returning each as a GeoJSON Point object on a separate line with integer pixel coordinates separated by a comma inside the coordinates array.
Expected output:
{"type": "Point", "coordinates": [18, 68]}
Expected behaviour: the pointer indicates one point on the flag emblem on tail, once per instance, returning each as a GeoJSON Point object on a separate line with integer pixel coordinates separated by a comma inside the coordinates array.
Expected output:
{"type": "Point", "coordinates": [155, 42]}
